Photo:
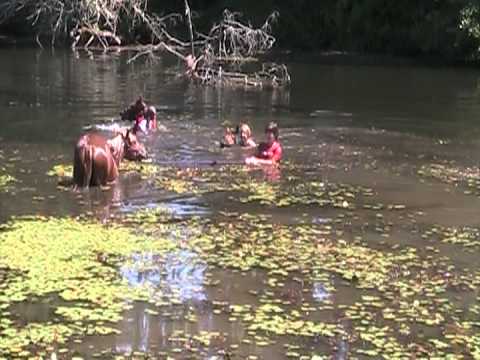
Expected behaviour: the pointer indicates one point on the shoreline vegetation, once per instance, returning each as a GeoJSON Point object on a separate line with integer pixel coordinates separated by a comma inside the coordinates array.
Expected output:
{"type": "Point", "coordinates": [370, 32]}
{"type": "Point", "coordinates": [211, 57]}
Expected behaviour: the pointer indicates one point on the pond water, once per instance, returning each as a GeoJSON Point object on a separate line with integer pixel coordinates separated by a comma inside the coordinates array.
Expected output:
{"type": "Point", "coordinates": [404, 139]}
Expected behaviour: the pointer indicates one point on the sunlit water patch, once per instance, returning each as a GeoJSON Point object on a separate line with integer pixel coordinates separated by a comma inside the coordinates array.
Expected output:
{"type": "Point", "coordinates": [320, 292]}
{"type": "Point", "coordinates": [180, 275]}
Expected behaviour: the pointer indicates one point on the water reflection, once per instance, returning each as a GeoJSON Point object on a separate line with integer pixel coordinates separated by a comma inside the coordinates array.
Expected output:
{"type": "Point", "coordinates": [320, 292]}
{"type": "Point", "coordinates": [187, 207]}
{"type": "Point", "coordinates": [343, 348]}
{"type": "Point", "coordinates": [180, 274]}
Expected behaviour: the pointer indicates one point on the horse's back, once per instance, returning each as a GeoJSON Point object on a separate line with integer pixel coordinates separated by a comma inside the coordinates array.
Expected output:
{"type": "Point", "coordinates": [82, 162]}
{"type": "Point", "coordinates": [93, 161]}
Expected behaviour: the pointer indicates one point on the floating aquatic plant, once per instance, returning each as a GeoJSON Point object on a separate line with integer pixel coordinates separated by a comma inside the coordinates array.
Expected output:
{"type": "Point", "coordinates": [467, 236]}
{"type": "Point", "coordinates": [401, 300]}
{"type": "Point", "coordinates": [61, 171]}
{"type": "Point", "coordinates": [411, 290]}
{"type": "Point", "coordinates": [6, 180]}
{"type": "Point", "coordinates": [76, 260]}
{"type": "Point", "coordinates": [145, 168]}
{"type": "Point", "coordinates": [466, 178]}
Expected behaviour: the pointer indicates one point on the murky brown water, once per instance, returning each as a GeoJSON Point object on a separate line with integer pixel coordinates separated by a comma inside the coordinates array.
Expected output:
{"type": "Point", "coordinates": [369, 126]}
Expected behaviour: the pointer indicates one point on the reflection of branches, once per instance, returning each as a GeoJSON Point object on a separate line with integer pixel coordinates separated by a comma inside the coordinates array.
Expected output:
{"type": "Point", "coordinates": [271, 75]}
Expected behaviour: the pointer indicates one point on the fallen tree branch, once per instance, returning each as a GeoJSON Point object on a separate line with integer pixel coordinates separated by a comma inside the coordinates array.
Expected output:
{"type": "Point", "coordinates": [230, 41]}
{"type": "Point", "coordinates": [89, 22]}
{"type": "Point", "coordinates": [188, 15]}
{"type": "Point", "coordinates": [150, 49]}
{"type": "Point", "coordinates": [212, 58]}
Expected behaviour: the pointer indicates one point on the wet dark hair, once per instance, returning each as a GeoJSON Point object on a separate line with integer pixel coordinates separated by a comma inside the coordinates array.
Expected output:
{"type": "Point", "coordinates": [140, 103]}
{"type": "Point", "coordinates": [273, 128]}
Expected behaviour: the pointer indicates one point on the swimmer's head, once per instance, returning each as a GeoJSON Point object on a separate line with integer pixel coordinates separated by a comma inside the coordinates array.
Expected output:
{"type": "Point", "coordinates": [245, 132]}
{"type": "Point", "coordinates": [271, 131]}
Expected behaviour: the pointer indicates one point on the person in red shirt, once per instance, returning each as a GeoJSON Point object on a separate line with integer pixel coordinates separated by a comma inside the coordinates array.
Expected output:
{"type": "Point", "coordinates": [269, 152]}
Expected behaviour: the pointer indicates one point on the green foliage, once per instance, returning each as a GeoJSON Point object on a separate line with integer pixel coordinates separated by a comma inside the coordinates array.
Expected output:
{"type": "Point", "coordinates": [470, 23]}
{"type": "Point", "coordinates": [447, 29]}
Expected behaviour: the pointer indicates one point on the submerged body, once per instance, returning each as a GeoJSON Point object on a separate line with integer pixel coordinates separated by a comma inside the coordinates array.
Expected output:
{"type": "Point", "coordinates": [245, 136]}
{"type": "Point", "coordinates": [272, 151]}
{"type": "Point", "coordinates": [269, 152]}
{"type": "Point", "coordinates": [134, 110]}
{"type": "Point", "coordinates": [228, 138]}
{"type": "Point", "coordinates": [241, 136]}
{"type": "Point", "coordinates": [97, 160]}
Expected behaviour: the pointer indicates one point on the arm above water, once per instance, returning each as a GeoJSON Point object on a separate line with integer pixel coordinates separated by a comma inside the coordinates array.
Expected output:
{"type": "Point", "coordinates": [250, 144]}
{"type": "Point", "coordinates": [253, 160]}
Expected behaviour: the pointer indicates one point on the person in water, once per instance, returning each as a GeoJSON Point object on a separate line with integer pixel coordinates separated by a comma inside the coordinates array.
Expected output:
{"type": "Point", "coordinates": [241, 136]}
{"type": "Point", "coordinates": [269, 152]}
{"type": "Point", "coordinates": [151, 117]}
{"type": "Point", "coordinates": [134, 110]}
{"type": "Point", "coordinates": [245, 137]}
{"type": "Point", "coordinates": [146, 120]}
{"type": "Point", "coordinates": [229, 138]}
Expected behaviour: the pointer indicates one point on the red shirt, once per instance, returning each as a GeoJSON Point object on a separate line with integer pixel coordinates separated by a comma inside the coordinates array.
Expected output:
{"type": "Point", "coordinates": [272, 152]}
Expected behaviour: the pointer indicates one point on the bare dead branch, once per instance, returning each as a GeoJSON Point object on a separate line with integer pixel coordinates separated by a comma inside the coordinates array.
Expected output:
{"type": "Point", "coordinates": [188, 15]}
{"type": "Point", "coordinates": [214, 58]}
{"type": "Point", "coordinates": [102, 18]}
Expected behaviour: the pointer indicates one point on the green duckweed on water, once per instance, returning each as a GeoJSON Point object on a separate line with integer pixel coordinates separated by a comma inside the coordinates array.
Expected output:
{"type": "Point", "coordinates": [465, 178]}
{"type": "Point", "coordinates": [75, 260]}
{"type": "Point", "coordinates": [402, 290]}
{"type": "Point", "coordinates": [238, 181]}
{"type": "Point", "coordinates": [61, 171]}
{"type": "Point", "coordinates": [466, 236]}
{"type": "Point", "coordinates": [245, 188]}
{"type": "Point", "coordinates": [6, 180]}
{"type": "Point", "coordinates": [407, 300]}
{"type": "Point", "coordinates": [144, 168]}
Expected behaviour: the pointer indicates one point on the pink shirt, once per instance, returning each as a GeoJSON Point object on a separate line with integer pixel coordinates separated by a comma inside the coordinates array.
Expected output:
{"type": "Point", "coordinates": [273, 152]}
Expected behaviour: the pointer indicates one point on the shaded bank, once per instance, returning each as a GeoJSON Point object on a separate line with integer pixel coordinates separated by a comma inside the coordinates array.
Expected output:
{"type": "Point", "coordinates": [446, 30]}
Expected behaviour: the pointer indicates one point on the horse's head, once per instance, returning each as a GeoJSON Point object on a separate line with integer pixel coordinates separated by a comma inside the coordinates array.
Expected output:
{"type": "Point", "coordinates": [133, 149]}
{"type": "Point", "coordinates": [126, 145]}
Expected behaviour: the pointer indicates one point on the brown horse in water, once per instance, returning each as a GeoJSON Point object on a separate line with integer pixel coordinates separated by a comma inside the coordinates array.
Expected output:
{"type": "Point", "coordinates": [97, 159]}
